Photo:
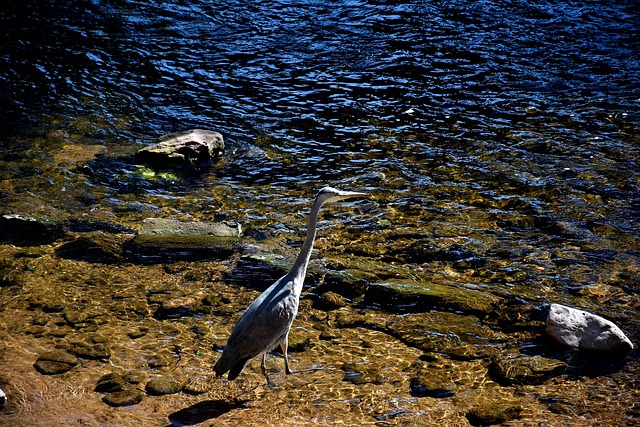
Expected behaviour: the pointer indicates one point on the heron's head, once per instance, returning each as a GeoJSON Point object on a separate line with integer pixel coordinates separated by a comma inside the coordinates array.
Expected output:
{"type": "Point", "coordinates": [328, 194]}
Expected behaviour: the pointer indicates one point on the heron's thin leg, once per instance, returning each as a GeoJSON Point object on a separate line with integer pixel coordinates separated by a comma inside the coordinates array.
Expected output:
{"type": "Point", "coordinates": [284, 344]}
{"type": "Point", "coordinates": [263, 367]}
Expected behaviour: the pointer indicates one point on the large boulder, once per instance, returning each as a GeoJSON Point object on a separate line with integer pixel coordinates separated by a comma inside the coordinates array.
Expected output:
{"type": "Point", "coordinates": [194, 147]}
{"type": "Point", "coordinates": [582, 330]}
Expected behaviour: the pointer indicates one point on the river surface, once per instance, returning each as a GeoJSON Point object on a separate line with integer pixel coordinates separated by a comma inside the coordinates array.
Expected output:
{"type": "Point", "coordinates": [499, 141]}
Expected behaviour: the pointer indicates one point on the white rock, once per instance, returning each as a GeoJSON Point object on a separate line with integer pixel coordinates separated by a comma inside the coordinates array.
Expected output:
{"type": "Point", "coordinates": [579, 329]}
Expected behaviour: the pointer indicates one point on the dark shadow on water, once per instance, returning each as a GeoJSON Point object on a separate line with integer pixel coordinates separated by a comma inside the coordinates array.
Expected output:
{"type": "Point", "coordinates": [581, 363]}
{"type": "Point", "coordinates": [203, 411]}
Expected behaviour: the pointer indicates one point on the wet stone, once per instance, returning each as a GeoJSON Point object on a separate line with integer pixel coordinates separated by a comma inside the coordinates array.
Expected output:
{"type": "Point", "coordinates": [110, 383]}
{"type": "Point", "coordinates": [430, 296]}
{"type": "Point", "coordinates": [156, 361]}
{"type": "Point", "coordinates": [134, 377]}
{"type": "Point", "coordinates": [83, 318]}
{"type": "Point", "coordinates": [137, 333]}
{"type": "Point", "coordinates": [491, 414]}
{"type": "Point", "coordinates": [55, 362]}
{"type": "Point", "coordinates": [164, 238]}
{"type": "Point", "coordinates": [299, 343]}
{"type": "Point", "coordinates": [531, 370]}
{"type": "Point", "coordinates": [328, 333]}
{"type": "Point", "coordinates": [123, 398]}
{"type": "Point", "coordinates": [161, 386]}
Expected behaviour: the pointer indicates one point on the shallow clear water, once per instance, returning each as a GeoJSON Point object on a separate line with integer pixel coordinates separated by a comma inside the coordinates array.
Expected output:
{"type": "Point", "coordinates": [502, 136]}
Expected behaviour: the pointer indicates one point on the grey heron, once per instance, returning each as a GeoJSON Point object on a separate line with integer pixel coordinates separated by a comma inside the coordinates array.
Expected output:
{"type": "Point", "coordinates": [267, 321]}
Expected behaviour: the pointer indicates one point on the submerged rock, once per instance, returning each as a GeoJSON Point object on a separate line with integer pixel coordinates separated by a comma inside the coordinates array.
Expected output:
{"type": "Point", "coordinates": [96, 246]}
{"type": "Point", "coordinates": [94, 347]}
{"type": "Point", "coordinates": [581, 330]}
{"type": "Point", "coordinates": [459, 336]}
{"type": "Point", "coordinates": [361, 373]}
{"type": "Point", "coordinates": [160, 386]}
{"type": "Point", "coordinates": [489, 414]}
{"type": "Point", "coordinates": [195, 147]}
{"type": "Point", "coordinates": [433, 382]}
{"type": "Point", "coordinates": [531, 370]}
{"type": "Point", "coordinates": [134, 377]}
{"type": "Point", "coordinates": [55, 362]}
{"type": "Point", "coordinates": [196, 385]}
{"type": "Point", "coordinates": [176, 308]}
{"type": "Point", "coordinates": [123, 398]}
{"type": "Point", "coordinates": [330, 301]}
{"type": "Point", "coordinates": [429, 296]}
{"type": "Point", "coordinates": [109, 383]}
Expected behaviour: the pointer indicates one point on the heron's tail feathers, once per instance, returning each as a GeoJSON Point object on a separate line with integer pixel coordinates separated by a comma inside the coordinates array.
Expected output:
{"type": "Point", "coordinates": [237, 368]}
{"type": "Point", "coordinates": [222, 366]}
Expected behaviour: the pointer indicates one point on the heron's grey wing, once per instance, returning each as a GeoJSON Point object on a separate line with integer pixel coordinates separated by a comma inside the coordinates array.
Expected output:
{"type": "Point", "coordinates": [260, 327]}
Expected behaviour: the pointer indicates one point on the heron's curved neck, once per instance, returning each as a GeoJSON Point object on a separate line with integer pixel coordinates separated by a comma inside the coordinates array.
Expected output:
{"type": "Point", "coordinates": [299, 269]}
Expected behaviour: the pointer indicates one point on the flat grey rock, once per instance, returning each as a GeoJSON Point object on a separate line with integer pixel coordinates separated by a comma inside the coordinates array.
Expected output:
{"type": "Point", "coordinates": [171, 233]}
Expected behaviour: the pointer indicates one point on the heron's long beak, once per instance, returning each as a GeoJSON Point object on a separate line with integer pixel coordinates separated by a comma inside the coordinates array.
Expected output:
{"type": "Point", "coordinates": [341, 195]}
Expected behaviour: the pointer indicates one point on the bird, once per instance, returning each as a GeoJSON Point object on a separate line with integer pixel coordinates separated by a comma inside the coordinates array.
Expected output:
{"type": "Point", "coordinates": [265, 324]}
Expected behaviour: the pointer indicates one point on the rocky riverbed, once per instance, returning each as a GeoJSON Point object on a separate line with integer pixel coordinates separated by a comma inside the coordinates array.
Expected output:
{"type": "Point", "coordinates": [95, 335]}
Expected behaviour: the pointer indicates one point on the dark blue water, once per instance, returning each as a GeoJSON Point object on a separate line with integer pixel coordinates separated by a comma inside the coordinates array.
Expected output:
{"type": "Point", "coordinates": [320, 75]}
